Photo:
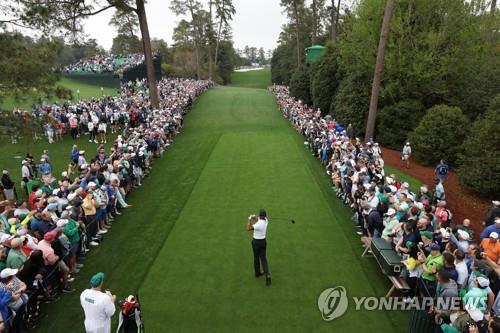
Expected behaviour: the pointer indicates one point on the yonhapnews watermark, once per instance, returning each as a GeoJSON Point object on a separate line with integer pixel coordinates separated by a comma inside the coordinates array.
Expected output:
{"type": "Point", "coordinates": [334, 302]}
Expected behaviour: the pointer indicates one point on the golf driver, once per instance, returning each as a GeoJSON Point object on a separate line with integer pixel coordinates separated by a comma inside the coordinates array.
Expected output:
{"type": "Point", "coordinates": [282, 218]}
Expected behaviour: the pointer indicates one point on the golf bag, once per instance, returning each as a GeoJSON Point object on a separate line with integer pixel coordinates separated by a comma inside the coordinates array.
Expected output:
{"type": "Point", "coordinates": [130, 320]}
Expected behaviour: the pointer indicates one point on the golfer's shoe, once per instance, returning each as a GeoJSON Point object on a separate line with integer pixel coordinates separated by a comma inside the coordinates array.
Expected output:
{"type": "Point", "coordinates": [268, 280]}
{"type": "Point", "coordinates": [259, 274]}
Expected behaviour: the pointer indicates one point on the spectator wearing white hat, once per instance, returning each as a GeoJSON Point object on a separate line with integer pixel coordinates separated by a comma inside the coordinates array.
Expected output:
{"type": "Point", "coordinates": [81, 158]}
{"type": "Point", "coordinates": [405, 155]}
{"type": "Point", "coordinates": [480, 295]}
{"type": "Point", "coordinates": [461, 239]}
{"type": "Point", "coordinates": [9, 282]}
{"type": "Point", "coordinates": [26, 175]}
{"type": "Point", "coordinates": [491, 246]}
{"type": "Point", "coordinates": [390, 222]}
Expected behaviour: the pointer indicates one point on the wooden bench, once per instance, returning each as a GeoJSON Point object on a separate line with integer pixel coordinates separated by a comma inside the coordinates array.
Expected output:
{"type": "Point", "coordinates": [398, 283]}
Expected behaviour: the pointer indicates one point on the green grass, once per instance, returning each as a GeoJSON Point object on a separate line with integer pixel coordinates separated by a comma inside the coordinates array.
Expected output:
{"type": "Point", "coordinates": [260, 79]}
{"type": "Point", "coordinates": [184, 245]}
{"type": "Point", "coordinates": [87, 91]}
{"type": "Point", "coordinates": [59, 152]}
{"type": "Point", "coordinates": [403, 177]}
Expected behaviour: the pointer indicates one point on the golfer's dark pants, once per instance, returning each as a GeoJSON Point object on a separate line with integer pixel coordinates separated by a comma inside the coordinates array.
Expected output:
{"type": "Point", "coordinates": [259, 256]}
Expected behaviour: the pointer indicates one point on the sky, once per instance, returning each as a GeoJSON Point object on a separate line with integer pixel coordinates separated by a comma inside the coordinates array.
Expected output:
{"type": "Point", "coordinates": [256, 23]}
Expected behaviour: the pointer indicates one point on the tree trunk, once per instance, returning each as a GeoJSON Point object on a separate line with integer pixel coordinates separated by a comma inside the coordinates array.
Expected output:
{"type": "Point", "coordinates": [379, 66]}
{"type": "Point", "coordinates": [335, 22]}
{"type": "Point", "coordinates": [217, 44]}
{"type": "Point", "coordinates": [196, 39]}
{"type": "Point", "coordinates": [493, 6]}
{"type": "Point", "coordinates": [210, 42]}
{"type": "Point", "coordinates": [297, 30]}
{"type": "Point", "coordinates": [148, 55]}
{"type": "Point", "coordinates": [314, 23]}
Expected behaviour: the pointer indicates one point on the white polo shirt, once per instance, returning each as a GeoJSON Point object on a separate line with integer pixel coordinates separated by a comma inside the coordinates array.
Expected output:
{"type": "Point", "coordinates": [98, 308]}
{"type": "Point", "coordinates": [259, 229]}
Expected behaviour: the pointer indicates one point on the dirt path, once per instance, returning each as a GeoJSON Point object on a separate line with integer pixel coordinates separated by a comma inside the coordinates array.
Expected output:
{"type": "Point", "coordinates": [462, 204]}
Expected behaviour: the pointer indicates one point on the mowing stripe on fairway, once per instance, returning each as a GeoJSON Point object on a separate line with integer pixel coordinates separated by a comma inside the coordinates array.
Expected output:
{"type": "Point", "coordinates": [185, 248]}
{"type": "Point", "coordinates": [203, 278]}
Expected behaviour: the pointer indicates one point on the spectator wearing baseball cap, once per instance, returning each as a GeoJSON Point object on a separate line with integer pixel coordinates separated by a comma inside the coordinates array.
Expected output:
{"type": "Point", "coordinates": [98, 306]}
{"type": "Point", "coordinates": [16, 257]}
{"type": "Point", "coordinates": [431, 264]}
{"type": "Point", "coordinates": [45, 245]}
{"type": "Point", "coordinates": [478, 295]}
{"type": "Point", "coordinates": [390, 221]}
{"type": "Point", "coordinates": [491, 246]}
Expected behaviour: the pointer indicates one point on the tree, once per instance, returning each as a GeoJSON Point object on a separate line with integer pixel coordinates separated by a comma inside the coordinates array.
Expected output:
{"type": "Point", "coordinates": [66, 16]}
{"type": "Point", "coordinates": [325, 79]}
{"type": "Point", "coordinates": [293, 8]}
{"type": "Point", "coordinates": [125, 22]}
{"type": "Point", "coordinates": [479, 168]}
{"type": "Point", "coordinates": [191, 7]}
{"type": "Point", "coordinates": [225, 66]}
{"type": "Point", "coordinates": [160, 47]}
{"type": "Point", "coordinates": [224, 11]}
{"type": "Point", "coordinates": [262, 56]}
{"type": "Point", "coordinates": [395, 122]}
{"type": "Point", "coordinates": [28, 66]}
{"type": "Point", "coordinates": [379, 66]}
{"type": "Point", "coordinates": [300, 85]}
{"type": "Point", "coordinates": [124, 44]}
{"type": "Point", "coordinates": [350, 104]}
{"type": "Point", "coordinates": [335, 19]}
{"type": "Point", "coordinates": [438, 135]}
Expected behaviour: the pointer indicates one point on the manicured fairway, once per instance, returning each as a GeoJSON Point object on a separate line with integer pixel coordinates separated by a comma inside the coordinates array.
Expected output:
{"type": "Point", "coordinates": [185, 248]}
{"type": "Point", "coordinates": [252, 79]}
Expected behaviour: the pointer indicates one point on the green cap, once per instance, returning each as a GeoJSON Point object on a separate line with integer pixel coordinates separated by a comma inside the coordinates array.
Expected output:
{"type": "Point", "coordinates": [97, 279]}
{"type": "Point", "coordinates": [426, 234]}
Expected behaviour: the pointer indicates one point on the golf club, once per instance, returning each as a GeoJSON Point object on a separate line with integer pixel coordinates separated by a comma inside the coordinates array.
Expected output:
{"type": "Point", "coordinates": [282, 218]}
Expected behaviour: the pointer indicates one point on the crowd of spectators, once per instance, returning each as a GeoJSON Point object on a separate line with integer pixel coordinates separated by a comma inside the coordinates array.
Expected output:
{"type": "Point", "coordinates": [63, 215]}
{"type": "Point", "coordinates": [444, 258]}
{"type": "Point", "coordinates": [101, 63]}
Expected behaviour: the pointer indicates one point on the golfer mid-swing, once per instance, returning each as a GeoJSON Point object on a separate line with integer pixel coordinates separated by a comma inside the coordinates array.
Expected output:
{"type": "Point", "coordinates": [259, 243]}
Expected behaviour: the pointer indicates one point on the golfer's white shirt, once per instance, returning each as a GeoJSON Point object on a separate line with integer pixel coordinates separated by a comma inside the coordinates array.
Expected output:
{"type": "Point", "coordinates": [259, 229]}
{"type": "Point", "coordinates": [98, 308]}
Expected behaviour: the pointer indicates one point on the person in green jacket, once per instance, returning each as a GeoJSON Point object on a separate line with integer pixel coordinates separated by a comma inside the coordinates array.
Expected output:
{"type": "Point", "coordinates": [431, 264]}
{"type": "Point", "coordinates": [71, 231]}
{"type": "Point", "coordinates": [16, 257]}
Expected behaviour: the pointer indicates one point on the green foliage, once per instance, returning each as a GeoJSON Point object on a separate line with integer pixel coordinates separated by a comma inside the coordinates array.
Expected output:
{"type": "Point", "coordinates": [167, 69]}
{"type": "Point", "coordinates": [439, 135]}
{"type": "Point", "coordinates": [282, 64]}
{"type": "Point", "coordinates": [124, 44]}
{"type": "Point", "coordinates": [300, 85]}
{"type": "Point", "coordinates": [227, 59]}
{"type": "Point", "coordinates": [326, 76]}
{"type": "Point", "coordinates": [395, 122]}
{"type": "Point", "coordinates": [480, 161]}
{"type": "Point", "coordinates": [351, 103]}
{"type": "Point", "coordinates": [27, 65]}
